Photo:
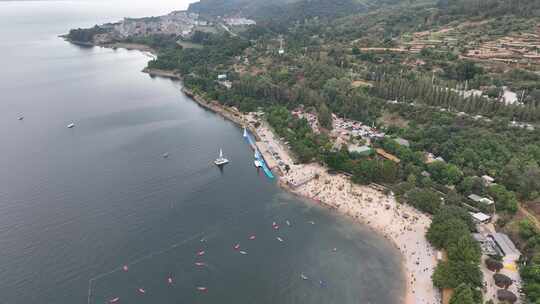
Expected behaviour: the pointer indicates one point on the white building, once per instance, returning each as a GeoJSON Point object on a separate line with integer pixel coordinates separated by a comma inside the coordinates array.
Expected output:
{"type": "Point", "coordinates": [480, 218]}
{"type": "Point", "coordinates": [479, 199]}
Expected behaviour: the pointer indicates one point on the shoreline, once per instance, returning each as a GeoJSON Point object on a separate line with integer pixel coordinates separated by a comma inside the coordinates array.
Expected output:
{"type": "Point", "coordinates": [402, 225]}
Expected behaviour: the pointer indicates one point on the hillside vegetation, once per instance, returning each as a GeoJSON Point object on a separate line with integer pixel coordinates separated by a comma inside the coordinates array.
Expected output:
{"type": "Point", "coordinates": [461, 77]}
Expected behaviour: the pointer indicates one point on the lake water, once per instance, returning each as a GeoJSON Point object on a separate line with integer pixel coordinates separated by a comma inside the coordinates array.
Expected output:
{"type": "Point", "coordinates": [77, 204]}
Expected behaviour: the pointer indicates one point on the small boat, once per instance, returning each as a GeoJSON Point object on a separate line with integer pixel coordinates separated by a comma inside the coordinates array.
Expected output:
{"type": "Point", "coordinates": [125, 268]}
{"type": "Point", "coordinates": [312, 222]}
{"type": "Point", "coordinates": [304, 277]}
{"type": "Point", "coordinates": [200, 264]}
{"type": "Point", "coordinates": [236, 247]}
{"type": "Point", "coordinates": [71, 125]}
{"type": "Point", "coordinates": [203, 240]}
{"type": "Point", "coordinates": [169, 280]}
{"type": "Point", "coordinates": [20, 118]}
{"type": "Point", "coordinates": [165, 155]}
{"type": "Point", "coordinates": [220, 161]}
{"type": "Point", "coordinates": [203, 289]}
{"type": "Point", "coordinates": [257, 163]}
{"type": "Point", "coordinates": [252, 237]}
{"type": "Point", "coordinates": [243, 252]}
{"type": "Point", "coordinates": [114, 300]}
{"type": "Point", "coordinates": [288, 223]}
{"type": "Point", "coordinates": [141, 291]}
{"type": "Point", "coordinates": [334, 249]}
{"type": "Point", "coordinates": [200, 253]}
{"type": "Point", "coordinates": [276, 227]}
{"type": "Point", "coordinates": [279, 239]}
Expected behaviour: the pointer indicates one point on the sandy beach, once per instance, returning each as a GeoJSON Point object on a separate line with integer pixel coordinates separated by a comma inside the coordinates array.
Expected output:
{"type": "Point", "coordinates": [401, 224]}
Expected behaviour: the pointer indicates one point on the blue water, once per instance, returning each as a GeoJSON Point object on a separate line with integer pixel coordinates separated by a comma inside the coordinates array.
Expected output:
{"type": "Point", "coordinates": [77, 204]}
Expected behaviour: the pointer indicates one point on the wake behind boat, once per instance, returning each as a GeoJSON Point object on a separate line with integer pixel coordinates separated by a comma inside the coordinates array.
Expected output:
{"type": "Point", "coordinates": [220, 161]}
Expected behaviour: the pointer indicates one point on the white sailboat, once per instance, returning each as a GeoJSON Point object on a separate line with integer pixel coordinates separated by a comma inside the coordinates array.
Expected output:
{"type": "Point", "coordinates": [220, 161]}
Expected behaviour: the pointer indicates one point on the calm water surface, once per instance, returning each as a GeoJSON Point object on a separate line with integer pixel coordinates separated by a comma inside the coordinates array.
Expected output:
{"type": "Point", "coordinates": [77, 204]}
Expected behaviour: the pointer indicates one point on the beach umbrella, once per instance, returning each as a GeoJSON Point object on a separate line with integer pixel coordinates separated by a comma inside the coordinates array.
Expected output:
{"type": "Point", "coordinates": [493, 265]}
{"type": "Point", "coordinates": [502, 281]}
{"type": "Point", "coordinates": [505, 295]}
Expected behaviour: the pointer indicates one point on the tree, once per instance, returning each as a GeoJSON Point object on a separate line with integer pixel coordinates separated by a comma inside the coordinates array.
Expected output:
{"type": "Point", "coordinates": [466, 249]}
{"type": "Point", "coordinates": [366, 172]}
{"type": "Point", "coordinates": [462, 295]}
{"type": "Point", "coordinates": [504, 200]}
{"type": "Point", "coordinates": [389, 171]}
{"type": "Point", "coordinates": [443, 232]}
{"type": "Point", "coordinates": [325, 116]}
{"type": "Point", "coordinates": [424, 199]}
{"type": "Point", "coordinates": [448, 212]}
{"type": "Point", "coordinates": [451, 274]}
